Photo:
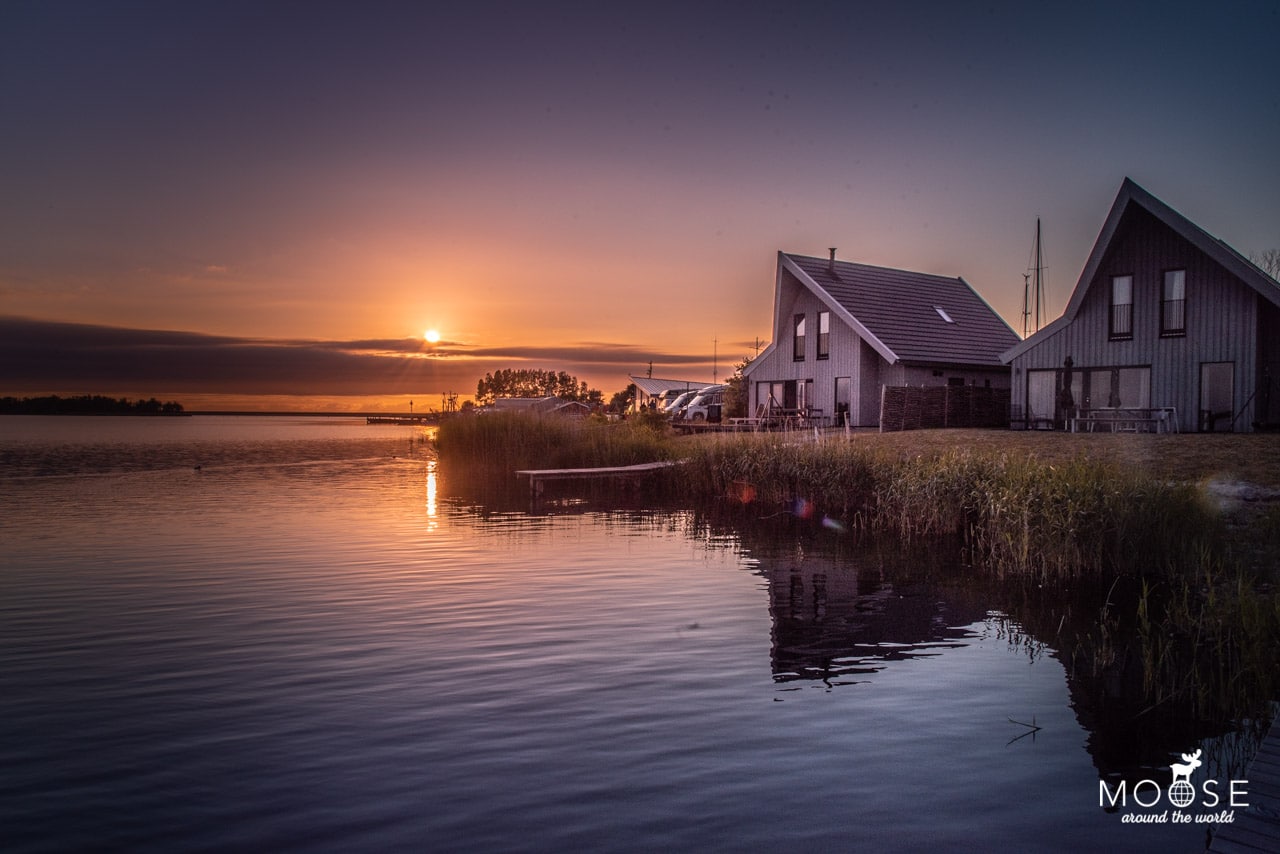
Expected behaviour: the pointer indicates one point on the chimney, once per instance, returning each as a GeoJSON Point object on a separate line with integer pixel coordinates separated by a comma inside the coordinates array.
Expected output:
{"type": "Point", "coordinates": [831, 265]}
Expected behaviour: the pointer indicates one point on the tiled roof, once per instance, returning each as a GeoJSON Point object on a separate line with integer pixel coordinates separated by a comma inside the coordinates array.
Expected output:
{"type": "Point", "coordinates": [918, 317]}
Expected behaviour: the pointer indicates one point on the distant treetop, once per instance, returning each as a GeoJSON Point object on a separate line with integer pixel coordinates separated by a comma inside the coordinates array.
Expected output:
{"type": "Point", "coordinates": [533, 383]}
{"type": "Point", "coordinates": [86, 405]}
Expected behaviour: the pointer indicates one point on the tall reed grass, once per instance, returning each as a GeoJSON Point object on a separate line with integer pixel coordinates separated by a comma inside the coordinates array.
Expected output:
{"type": "Point", "coordinates": [1203, 631]}
{"type": "Point", "coordinates": [1209, 643]}
{"type": "Point", "coordinates": [506, 442]}
{"type": "Point", "coordinates": [1015, 514]}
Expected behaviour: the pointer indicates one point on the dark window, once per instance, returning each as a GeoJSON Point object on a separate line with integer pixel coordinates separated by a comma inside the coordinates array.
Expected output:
{"type": "Point", "coordinates": [1121, 307]}
{"type": "Point", "coordinates": [824, 334]}
{"type": "Point", "coordinates": [1173, 303]}
{"type": "Point", "coordinates": [798, 353]}
{"type": "Point", "coordinates": [1112, 388]}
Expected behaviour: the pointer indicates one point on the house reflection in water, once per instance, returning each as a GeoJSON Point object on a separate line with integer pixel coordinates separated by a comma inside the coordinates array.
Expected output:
{"type": "Point", "coordinates": [840, 618]}
{"type": "Point", "coordinates": [833, 621]}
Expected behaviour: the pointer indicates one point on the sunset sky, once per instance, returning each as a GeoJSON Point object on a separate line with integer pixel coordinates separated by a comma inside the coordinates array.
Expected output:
{"type": "Point", "coordinates": [266, 205]}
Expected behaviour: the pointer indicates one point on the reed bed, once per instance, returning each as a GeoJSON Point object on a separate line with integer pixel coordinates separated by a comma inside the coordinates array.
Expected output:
{"type": "Point", "coordinates": [1085, 512]}
{"type": "Point", "coordinates": [1176, 457]}
{"type": "Point", "coordinates": [1209, 642]}
{"type": "Point", "coordinates": [506, 442]}
{"type": "Point", "coordinates": [1016, 514]}
{"type": "Point", "coordinates": [1203, 628]}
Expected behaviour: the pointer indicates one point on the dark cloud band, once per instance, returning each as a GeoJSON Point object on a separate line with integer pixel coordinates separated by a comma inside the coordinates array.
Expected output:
{"type": "Point", "coordinates": [42, 356]}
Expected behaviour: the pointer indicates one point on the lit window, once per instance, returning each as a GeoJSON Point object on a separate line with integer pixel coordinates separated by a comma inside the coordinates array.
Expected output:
{"type": "Point", "coordinates": [1121, 307]}
{"type": "Point", "coordinates": [824, 334]}
{"type": "Point", "coordinates": [798, 329]}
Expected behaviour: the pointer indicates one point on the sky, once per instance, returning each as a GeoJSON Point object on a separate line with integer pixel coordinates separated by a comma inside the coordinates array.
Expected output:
{"type": "Point", "coordinates": [258, 205]}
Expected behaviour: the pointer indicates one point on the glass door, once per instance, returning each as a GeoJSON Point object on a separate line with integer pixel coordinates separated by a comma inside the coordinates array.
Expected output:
{"type": "Point", "coordinates": [842, 401]}
{"type": "Point", "coordinates": [1217, 396]}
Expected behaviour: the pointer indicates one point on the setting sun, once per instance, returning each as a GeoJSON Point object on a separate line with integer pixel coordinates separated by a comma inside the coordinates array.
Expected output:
{"type": "Point", "coordinates": [432, 336]}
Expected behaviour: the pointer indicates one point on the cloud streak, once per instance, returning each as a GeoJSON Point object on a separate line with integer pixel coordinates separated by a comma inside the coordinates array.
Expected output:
{"type": "Point", "coordinates": [38, 356]}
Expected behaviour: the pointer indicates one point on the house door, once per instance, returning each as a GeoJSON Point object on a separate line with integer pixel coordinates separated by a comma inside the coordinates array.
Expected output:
{"type": "Point", "coordinates": [842, 401]}
{"type": "Point", "coordinates": [1217, 395]}
{"type": "Point", "coordinates": [1041, 388]}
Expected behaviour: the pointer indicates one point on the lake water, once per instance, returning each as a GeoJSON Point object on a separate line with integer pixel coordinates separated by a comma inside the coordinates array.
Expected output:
{"type": "Point", "coordinates": [288, 633]}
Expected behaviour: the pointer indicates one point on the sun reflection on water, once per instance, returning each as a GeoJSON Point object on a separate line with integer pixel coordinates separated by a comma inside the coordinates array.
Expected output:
{"type": "Point", "coordinates": [431, 495]}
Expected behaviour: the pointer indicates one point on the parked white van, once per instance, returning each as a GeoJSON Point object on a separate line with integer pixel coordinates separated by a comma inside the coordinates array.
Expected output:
{"type": "Point", "coordinates": [665, 399]}
{"type": "Point", "coordinates": [706, 406]}
{"type": "Point", "coordinates": [674, 408]}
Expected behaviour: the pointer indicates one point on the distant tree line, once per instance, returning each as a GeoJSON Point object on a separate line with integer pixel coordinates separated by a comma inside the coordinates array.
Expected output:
{"type": "Point", "coordinates": [525, 382]}
{"type": "Point", "coordinates": [86, 405]}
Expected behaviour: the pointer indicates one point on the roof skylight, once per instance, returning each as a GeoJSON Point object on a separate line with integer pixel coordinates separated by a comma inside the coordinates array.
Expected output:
{"type": "Point", "coordinates": [943, 314]}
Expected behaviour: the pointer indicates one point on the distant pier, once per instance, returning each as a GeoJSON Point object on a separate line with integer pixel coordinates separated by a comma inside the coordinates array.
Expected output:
{"type": "Point", "coordinates": [430, 418]}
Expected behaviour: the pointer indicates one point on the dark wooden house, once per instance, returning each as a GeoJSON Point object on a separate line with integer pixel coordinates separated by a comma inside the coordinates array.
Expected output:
{"type": "Point", "coordinates": [1168, 328]}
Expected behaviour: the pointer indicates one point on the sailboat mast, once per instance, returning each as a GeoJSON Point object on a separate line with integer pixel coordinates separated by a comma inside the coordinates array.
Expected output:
{"type": "Point", "coordinates": [1033, 300]}
{"type": "Point", "coordinates": [1026, 299]}
{"type": "Point", "coordinates": [1039, 281]}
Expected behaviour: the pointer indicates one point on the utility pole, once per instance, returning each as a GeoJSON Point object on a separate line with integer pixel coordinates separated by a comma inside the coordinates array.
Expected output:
{"type": "Point", "coordinates": [715, 360]}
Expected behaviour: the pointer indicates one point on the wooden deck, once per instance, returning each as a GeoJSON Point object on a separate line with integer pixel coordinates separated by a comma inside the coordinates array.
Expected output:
{"type": "Point", "coordinates": [539, 477]}
{"type": "Point", "coordinates": [1257, 828]}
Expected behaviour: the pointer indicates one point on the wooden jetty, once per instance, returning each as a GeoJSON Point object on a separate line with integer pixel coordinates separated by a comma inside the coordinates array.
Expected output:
{"type": "Point", "coordinates": [539, 477]}
{"type": "Point", "coordinates": [1256, 828]}
{"type": "Point", "coordinates": [432, 418]}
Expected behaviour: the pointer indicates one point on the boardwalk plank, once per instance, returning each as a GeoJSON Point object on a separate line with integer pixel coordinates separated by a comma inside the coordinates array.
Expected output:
{"type": "Point", "coordinates": [537, 477]}
{"type": "Point", "coordinates": [1256, 828]}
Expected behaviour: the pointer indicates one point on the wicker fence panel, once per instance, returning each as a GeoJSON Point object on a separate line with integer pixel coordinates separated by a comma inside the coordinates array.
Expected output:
{"type": "Point", "coordinates": [932, 407]}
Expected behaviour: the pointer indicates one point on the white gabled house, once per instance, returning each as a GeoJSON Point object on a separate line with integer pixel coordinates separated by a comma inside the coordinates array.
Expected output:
{"type": "Point", "coordinates": [843, 331]}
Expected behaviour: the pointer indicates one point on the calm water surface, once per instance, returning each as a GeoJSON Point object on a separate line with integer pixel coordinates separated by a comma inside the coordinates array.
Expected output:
{"type": "Point", "coordinates": [310, 642]}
